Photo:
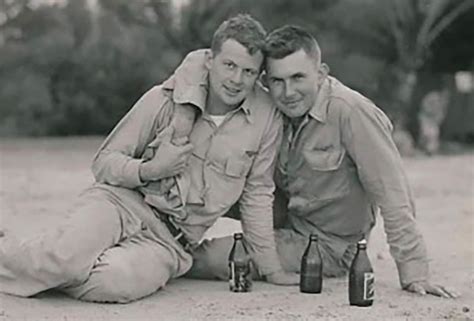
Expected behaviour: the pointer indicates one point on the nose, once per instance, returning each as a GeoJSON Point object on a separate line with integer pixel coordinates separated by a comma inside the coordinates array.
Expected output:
{"type": "Point", "coordinates": [236, 77]}
{"type": "Point", "coordinates": [289, 89]}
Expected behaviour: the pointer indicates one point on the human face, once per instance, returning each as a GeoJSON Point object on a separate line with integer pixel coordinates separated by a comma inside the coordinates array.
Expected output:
{"type": "Point", "coordinates": [294, 82]}
{"type": "Point", "coordinates": [232, 73]}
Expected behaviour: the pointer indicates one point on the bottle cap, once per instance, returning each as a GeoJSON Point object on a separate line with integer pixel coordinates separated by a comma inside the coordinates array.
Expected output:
{"type": "Point", "coordinates": [362, 242]}
{"type": "Point", "coordinates": [238, 236]}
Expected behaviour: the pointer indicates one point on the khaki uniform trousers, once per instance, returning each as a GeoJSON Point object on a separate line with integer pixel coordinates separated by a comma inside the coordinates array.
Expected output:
{"type": "Point", "coordinates": [211, 257]}
{"type": "Point", "coordinates": [102, 252]}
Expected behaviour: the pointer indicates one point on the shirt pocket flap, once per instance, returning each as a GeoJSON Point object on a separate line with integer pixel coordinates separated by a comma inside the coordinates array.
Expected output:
{"type": "Point", "coordinates": [237, 167]}
{"type": "Point", "coordinates": [324, 160]}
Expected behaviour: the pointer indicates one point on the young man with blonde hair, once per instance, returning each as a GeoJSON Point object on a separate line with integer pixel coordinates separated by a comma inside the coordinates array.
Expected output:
{"type": "Point", "coordinates": [126, 237]}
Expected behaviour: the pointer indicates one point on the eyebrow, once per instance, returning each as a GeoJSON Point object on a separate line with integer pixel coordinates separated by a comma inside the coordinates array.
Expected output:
{"type": "Point", "coordinates": [275, 78]}
{"type": "Point", "coordinates": [297, 74]}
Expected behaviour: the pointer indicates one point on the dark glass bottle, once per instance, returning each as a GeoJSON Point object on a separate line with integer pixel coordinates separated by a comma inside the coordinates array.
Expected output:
{"type": "Point", "coordinates": [240, 273]}
{"type": "Point", "coordinates": [311, 277]}
{"type": "Point", "coordinates": [361, 278]}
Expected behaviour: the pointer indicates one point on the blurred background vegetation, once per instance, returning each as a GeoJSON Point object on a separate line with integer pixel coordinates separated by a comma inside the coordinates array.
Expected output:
{"type": "Point", "coordinates": [76, 67]}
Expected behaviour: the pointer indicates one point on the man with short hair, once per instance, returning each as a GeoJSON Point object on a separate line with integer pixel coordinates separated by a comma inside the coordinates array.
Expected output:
{"type": "Point", "coordinates": [126, 237]}
{"type": "Point", "coordinates": [337, 165]}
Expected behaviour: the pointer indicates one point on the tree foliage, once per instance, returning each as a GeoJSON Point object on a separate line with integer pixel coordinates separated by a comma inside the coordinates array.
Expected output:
{"type": "Point", "coordinates": [73, 69]}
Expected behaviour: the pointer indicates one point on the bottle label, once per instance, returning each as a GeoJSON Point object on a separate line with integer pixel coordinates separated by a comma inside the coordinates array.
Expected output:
{"type": "Point", "coordinates": [369, 286]}
{"type": "Point", "coordinates": [240, 277]}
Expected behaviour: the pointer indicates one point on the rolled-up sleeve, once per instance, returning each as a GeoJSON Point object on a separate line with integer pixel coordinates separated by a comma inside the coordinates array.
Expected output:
{"type": "Point", "coordinates": [257, 200]}
{"type": "Point", "coordinates": [118, 160]}
{"type": "Point", "coordinates": [367, 136]}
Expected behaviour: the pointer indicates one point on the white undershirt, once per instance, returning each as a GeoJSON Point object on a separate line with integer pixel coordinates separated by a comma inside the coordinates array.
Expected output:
{"type": "Point", "coordinates": [217, 119]}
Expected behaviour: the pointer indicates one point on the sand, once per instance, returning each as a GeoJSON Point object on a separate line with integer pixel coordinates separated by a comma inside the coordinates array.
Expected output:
{"type": "Point", "coordinates": [40, 177]}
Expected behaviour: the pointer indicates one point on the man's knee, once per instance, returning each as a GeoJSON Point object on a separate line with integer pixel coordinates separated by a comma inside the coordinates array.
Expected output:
{"type": "Point", "coordinates": [119, 283]}
{"type": "Point", "coordinates": [210, 259]}
{"type": "Point", "coordinates": [335, 266]}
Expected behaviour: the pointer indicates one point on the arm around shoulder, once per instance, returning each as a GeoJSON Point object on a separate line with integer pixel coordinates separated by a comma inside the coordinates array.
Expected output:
{"type": "Point", "coordinates": [118, 160]}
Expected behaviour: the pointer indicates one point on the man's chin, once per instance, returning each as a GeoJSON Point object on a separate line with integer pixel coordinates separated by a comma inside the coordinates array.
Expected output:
{"type": "Point", "coordinates": [291, 113]}
{"type": "Point", "coordinates": [233, 101]}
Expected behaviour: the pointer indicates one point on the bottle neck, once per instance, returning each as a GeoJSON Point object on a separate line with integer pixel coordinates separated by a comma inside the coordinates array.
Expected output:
{"type": "Point", "coordinates": [312, 245]}
{"type": "Point", "coordinates": [238, 237]}
{"type": "Point", "coordinates": [361, 249]}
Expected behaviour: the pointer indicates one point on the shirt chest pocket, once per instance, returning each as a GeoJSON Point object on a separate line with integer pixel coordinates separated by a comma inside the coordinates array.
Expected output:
{"type": "Point", "coordinates": [326, 174]}
{"type": "Point", "coordinates": [237, 167]}
{"type": "Point", "coordinates": [218, 183]}
{"type": "Point", "coordinates": [225, 182]}
{"type": "Point", "coordinates": [324, 160]}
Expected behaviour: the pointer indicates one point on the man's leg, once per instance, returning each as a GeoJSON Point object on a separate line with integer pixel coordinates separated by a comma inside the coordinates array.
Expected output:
{"type": "Point", "coordinates": [336, 255]}
{"type": "Point", "coordinates": [61, 255]}
{"type": "Point", "coordinates": [211, 257]}
{"type": "Point", "coordinates": [135, 268]}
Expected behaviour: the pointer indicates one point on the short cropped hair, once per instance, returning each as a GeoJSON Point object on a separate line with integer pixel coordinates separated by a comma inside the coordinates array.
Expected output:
{"type": "Point", "coordinates": [242, 28]}
{"type": "Point", "coordinates": [289, 39]}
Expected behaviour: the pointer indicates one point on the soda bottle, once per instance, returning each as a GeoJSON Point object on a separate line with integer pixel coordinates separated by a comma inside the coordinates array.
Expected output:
{"type": "Point", "coordinates": [311, 277]}
{"type": "Point", "coordinates": [361, 278]}
{"type": "Point", "coordinates": [240, 276]}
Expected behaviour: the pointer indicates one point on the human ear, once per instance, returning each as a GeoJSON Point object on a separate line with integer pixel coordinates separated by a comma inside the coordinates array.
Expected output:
{"type": "Point", "coordinates": [209, 57]}
{"type": "Point", "coordinates": [323, 72]}
{"type": "Point", "coordinates": [264, 79]}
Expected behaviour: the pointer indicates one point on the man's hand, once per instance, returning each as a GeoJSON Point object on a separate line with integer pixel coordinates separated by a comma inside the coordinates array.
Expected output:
{"type": "Point", "coordinates": [169, 159]}
{"type": "Point", "coordinates": [425, 287]}
{"type": "Point", "coordinates": [283, 278]}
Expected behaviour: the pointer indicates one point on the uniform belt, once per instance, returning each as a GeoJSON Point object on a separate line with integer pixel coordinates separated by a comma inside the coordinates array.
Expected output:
{"type": "Point", "coordinates": [177, 233]}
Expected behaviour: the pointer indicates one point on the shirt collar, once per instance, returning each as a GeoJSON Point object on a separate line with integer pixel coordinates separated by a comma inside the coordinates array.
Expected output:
{"type": "Point", "coordinates": [250, 102]}
{"type": "Point", "coordinates": [320, 108]}
{"type": "Point", "coordinates": [189, 83]}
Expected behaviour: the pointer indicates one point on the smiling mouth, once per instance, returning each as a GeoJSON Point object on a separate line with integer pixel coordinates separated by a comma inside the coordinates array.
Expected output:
{"type": "Point", "coordinates": [291, 103]}
{"type": "Point", "coordinates": [232, 91]}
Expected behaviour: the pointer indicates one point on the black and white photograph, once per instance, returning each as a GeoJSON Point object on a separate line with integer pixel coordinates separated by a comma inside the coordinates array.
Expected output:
{"type": "Point", "coordinates": [213, 160]}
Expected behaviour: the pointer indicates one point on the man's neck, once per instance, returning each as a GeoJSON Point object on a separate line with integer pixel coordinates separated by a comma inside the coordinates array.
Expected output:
{"type": "Point", "coordinates": [296, 122]}
{"type": "Point", "coordinates": [214, 106]}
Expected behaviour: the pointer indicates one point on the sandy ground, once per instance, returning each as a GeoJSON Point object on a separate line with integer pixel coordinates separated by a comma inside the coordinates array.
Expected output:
{"type": "Point", "coordinates": [39, 178]}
